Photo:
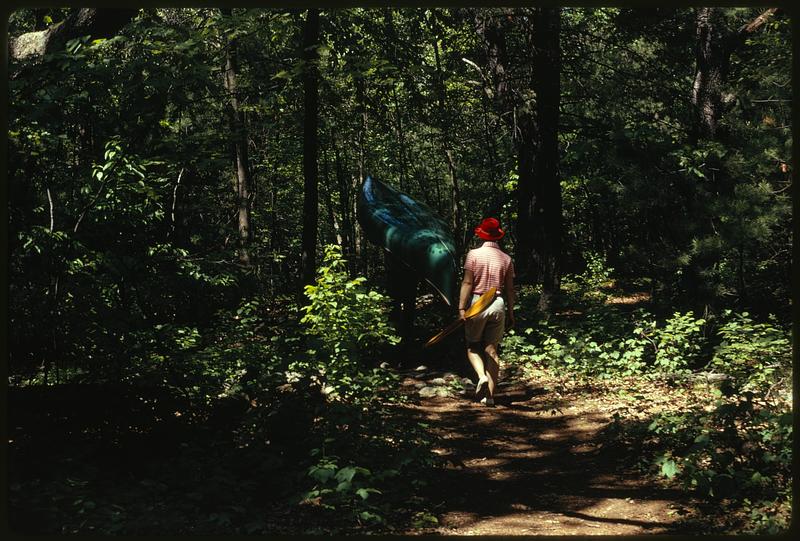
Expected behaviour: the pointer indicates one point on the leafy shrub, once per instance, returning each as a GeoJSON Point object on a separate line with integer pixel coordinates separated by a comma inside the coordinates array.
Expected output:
{"type": "Point", "coordinates": [346, 321]}
{"type": "Point", "coordinates": [589, 284]}
{"type": "Point", "coordinates": [364, 451]}
{"type": "Point", "coordinates": [347, 486]}
{"type": "Point", "coordinates": [734, 451]}
{"type": "Point", "coordinates": [369, 460]}
{"type": "Point", "coordinates": [678, 343]}
{"type": "Point", "coordinates": [227, 359]}
{"type": "Point", "coordinates": [753, 353]}
{"type": "Point", "coordinates": [600, 346]}
{"type": "Point", "coordinates": [740, 448]}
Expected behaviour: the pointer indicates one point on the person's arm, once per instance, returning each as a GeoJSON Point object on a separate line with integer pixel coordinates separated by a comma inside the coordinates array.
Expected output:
{"type": "Point", "coordinates": [466, 292]}
{"type": "Point", "coordinates": [508, 289]}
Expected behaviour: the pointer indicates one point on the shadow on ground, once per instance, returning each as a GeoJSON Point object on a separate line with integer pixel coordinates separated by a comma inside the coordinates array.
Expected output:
{"type": "Point", "coordinates": [537, 465]}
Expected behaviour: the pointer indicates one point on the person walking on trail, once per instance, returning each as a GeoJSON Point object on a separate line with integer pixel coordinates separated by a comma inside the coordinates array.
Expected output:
{"type": "Point", "coordinates": [484, 268]}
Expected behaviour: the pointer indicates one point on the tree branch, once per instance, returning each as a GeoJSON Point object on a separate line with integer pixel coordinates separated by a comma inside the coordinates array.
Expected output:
{"type": "Point", "coordinates": [91, 204]}
{"type": "Point", "coordinates": [757, 23]}
{"type": "Point", "coordinates": [50, 200]}
{"type": "Point", "coordinates": [736, 39]}
{"type": "Point", "coordinates": [99, 23]}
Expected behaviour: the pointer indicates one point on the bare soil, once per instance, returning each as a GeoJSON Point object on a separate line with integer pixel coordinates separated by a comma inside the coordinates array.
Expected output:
{"type": "Point", "coordinates": [539, 463]}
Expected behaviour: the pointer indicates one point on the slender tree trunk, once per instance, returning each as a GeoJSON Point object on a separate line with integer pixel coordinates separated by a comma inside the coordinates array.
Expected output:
{"type": "Point", "coordinates": [362, 132]}
{"type": "Point", "coordinates": [401, 138]}
{"type": "Point", "coordinates": [740, 278]}
{"type": "Point", "coordinates": [274, 236]}
{"type": "Point", "coordinates": [358, 234]}
{"type": "Point", "coordinates": [172, 214]}
{"type": "Point", "coordinates": [310, 146]}
{"type": "Point", "coordinates": [491, 144]}
{"type": "Point", "coordinates": [457, 222]}
{"type": "Point", "coordinates": [330, 204]}
{"type": "Point", "coordinates": [444, 116]}
{"type": "Point", "coordinates": [525, 232]}
{"type": "Point", "coordinates": [239, 133]}
{"type": "Point", "coordinates": [344, 206]}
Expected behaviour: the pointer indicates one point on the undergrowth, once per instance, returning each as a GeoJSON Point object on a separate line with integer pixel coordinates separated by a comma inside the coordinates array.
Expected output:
{"type": "Point", "coordinates": [733, 447]}
{"type": "Point", "coordinates": [273, 419]}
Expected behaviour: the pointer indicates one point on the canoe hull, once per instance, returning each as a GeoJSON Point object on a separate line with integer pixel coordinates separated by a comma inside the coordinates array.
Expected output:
{"type": "Point", "coordinates": [411, 232]}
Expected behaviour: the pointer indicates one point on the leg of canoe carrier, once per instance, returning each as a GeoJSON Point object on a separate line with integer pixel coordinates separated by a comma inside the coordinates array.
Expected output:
{"type": "Point", "coordinates": [402, 284]}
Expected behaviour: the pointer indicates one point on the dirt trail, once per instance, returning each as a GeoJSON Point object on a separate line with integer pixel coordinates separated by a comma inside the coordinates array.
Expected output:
{"type": "Point", "coordinates": [532, 466]}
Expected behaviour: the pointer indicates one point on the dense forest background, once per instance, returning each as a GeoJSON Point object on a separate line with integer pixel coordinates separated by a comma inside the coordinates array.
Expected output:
{"type": "Point", "coordinates": [176, 177]}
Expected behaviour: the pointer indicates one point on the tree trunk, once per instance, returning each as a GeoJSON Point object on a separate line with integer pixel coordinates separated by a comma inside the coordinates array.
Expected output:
{"type": "Point", "coordinates": [713, 50]}
{"type": "Point", "coordinates": [711, 59]}
{"type": "Point", "coordinates": [336, 228]}
{"type": "Point", "coordinates": [310, 146]}
{"type": "Point", "coordinates": [362, 131]}
{"type": "Point", "coordinates": [444, 117]}
{"type": "Point", "coordinates": [344, 207]}
{"type": "Point", "coordinates": [535, 136]}
{"type": "Point", "coordinates": [546, 220]}
{"type": "Point", "coordinates": [239, 133]}
{"type": "Point", "coordinates": [358, 234]}
{"type": "Point", "coordinates": [401, 138]}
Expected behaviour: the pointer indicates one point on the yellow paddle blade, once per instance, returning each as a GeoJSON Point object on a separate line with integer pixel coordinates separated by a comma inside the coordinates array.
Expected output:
{"type": "Point", "coordinates": [481, 304]}
{"type": "Point", "coordinates": [477, 307]}
{"type": "Point", "coordinates": [447, 330]}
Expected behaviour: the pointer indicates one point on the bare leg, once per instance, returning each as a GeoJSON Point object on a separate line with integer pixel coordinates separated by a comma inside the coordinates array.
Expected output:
{"type": "Point", "coordinates": [476, 360]}
{"type": "Point", "coordinates": [492, 367]}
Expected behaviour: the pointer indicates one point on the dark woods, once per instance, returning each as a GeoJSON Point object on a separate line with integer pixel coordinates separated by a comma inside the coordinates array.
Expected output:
{"type": "Point", "coordinates": [183, 187]}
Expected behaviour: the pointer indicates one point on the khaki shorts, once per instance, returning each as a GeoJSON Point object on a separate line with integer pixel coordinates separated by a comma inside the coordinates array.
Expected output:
{"type": "Point", "coordinates": [488, 326]}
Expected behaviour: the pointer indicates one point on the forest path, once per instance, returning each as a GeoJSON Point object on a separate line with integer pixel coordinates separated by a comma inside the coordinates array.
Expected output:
{"type": "Point", "coordinates": [536, 463]}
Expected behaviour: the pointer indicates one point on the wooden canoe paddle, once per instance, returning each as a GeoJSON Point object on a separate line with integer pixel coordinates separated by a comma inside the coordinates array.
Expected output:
{"type": "Point", "coordinates": [476, 308]}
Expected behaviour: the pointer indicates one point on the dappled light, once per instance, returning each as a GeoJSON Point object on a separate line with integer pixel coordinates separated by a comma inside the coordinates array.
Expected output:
{"type": "Point", "coordinates": [382, 270]}
{"type": "Point", "coordinates": [540, 466]}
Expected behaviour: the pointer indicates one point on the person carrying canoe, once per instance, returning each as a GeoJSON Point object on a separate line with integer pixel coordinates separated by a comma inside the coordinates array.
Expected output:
{"type": "Point", "coordinates": [484, 268]}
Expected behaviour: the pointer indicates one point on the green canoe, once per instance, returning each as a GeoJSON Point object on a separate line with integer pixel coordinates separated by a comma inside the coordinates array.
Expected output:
{"type": "Point", "coordinates": [412, 232]}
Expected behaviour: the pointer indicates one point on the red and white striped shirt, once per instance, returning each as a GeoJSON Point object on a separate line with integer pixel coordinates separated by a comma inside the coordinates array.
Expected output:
{"type": "Point", "coordinates": [489, 266]}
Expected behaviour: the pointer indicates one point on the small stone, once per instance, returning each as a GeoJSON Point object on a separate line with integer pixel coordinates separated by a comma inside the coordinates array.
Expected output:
{"type": "Point", "coordinates": [438, 381]}
{"type": "Point", "coordinates": [421, 368]}
{"type": "Point", "coordinates": [385, 365]}
{"type": "Point", "coordinates": [466, 381]}
{"type": "Point", "coordinates": [427, 392]}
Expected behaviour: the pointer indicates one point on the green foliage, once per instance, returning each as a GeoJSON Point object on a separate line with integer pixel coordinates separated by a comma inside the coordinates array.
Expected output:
{"type": "Point", "coordinates": [345, 486]}
{"type": "Point", "coordinates": [589, 284]}
{"type": "Point", "coordinates": [369, 461]}
{"type": "Point", "coordinates": [757, 356]}
{"type": "Point", "coordinates": [349, 324]}
{"type": "Point", "coordinates": [677, 344]}
{"type": "Point", "coordinates": [122, 249]}
{"type": "Point", "coordinates": [734, 451]}
{"type": "Point", "coordinates": [602, 343]}
{"type": "Point", "coordinates": [586, 349]}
